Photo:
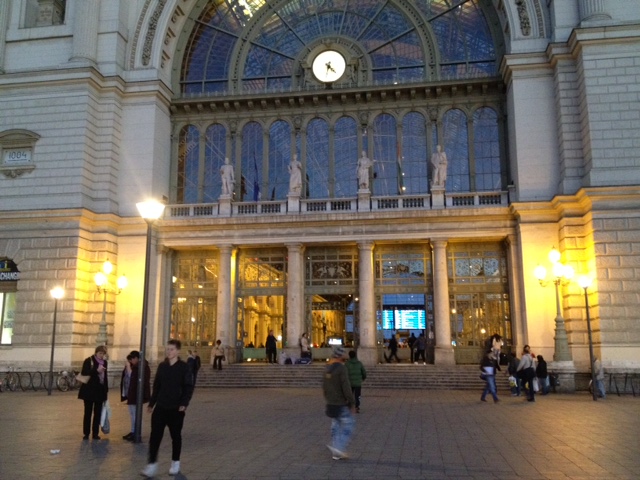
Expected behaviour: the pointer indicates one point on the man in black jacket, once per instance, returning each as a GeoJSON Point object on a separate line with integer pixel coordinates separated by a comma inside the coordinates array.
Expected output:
{"type": "Point", "coordinates": [172, 391]}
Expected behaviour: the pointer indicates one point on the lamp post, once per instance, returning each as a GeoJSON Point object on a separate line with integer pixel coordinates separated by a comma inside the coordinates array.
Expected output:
{"type": "Point", "coordinates": [150, 211]}
{"type": "Point", "coordinates": [57, 293]}
{"type": "Point", "coordinates": [561, 274]}
{"type": "Point", "coordinates": [102, 282]}
{"type": "Point", "coordinates": [585, 282]}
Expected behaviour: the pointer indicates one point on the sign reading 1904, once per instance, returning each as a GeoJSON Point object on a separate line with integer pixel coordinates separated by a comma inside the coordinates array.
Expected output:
{"type": "Point", "coordinates": [16, 155]}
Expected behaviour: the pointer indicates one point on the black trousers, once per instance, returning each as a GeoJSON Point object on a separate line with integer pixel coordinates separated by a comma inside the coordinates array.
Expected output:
{"type": "Point", "coordinates": [87, 424]}
{"type": "Point", "coordinates": [271, 355]}
{"type": "Point", "coordinates": [420, 353]}
{"type": "Point", "coordinates": [161, 418]}
{"type": "Point", "coordinates": [394, 353]}
{"type": "Point", "coordinates": [217, 360]}
{"type": "Point", "coordinates": [356, 393]}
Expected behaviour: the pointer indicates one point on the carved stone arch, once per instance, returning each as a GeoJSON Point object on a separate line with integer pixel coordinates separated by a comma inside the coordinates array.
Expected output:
{"type": "Point", "coordinates": [523, 19]}
{"type": "Point", "coordinates": [243, 123]}
{"type": "Point", "coordinates": [308, 118]}
{"type": "Point", "coordinates": [477, 106]}
{"type": "Point", "coordinates": [269, 123]}
{"type": "Point", "coordinates": [338, 115]}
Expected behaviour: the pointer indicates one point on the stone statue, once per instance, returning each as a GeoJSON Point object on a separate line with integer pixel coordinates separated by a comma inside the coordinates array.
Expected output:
{"type": "Point", "coordinates": [439, 162]}
{"type": "Point", "coordinates": [295, 176]}
{"type": "Point", "coordinates": [228, 178]}
{"type": "Point", "coordinates": [364, 164]}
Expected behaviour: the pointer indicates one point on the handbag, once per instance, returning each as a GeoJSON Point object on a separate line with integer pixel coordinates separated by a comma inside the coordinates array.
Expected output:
{"type": "Point", "coordinates": [105, 425]}
{"type": "Point", "coordinates": [82, 378]}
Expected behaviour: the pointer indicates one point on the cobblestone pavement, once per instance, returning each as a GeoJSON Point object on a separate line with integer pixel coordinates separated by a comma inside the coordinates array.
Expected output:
{"type": "Point", "coordinates": [281, 434]}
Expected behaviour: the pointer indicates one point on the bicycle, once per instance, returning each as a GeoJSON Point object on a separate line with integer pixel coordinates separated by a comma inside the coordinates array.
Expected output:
{"type": "Point", "coordinates": [36, 381]}
{"type": "Point", "coordinates": [66, 380]}
{"type": "Point", "coordinates": [10, 381]}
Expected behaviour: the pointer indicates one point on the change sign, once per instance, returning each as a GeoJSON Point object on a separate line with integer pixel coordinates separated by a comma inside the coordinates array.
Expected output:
{"type": "Point", "coordinates": [9, 271]}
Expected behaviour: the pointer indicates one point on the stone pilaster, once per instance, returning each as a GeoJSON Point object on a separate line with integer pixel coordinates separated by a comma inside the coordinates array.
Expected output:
{"type": "Point", "coordinates": [367, 349]}
{"type": "Point", "coordinates": [224, 324]}
{"type": "Point", "coordinates": [593, 11]}
{"type": "Point", "coordinates": [85, 28]}
{"type": "Point", "coordinates": [518, 313]}
{"type": "Point", "coordinates": [444, 354]}
{"type": "Point", "coordinates": [4, 25]}
{"type": "Point", "coordinates": [295, 298]}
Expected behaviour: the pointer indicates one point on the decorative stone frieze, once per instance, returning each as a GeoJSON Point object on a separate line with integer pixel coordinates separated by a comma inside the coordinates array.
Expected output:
{"type": "Point", "coordinates": [523, 15]}
{"type": "Point", "coordinates": [50, 12]}
{"type": "Point", "coordinates": [151, 32]}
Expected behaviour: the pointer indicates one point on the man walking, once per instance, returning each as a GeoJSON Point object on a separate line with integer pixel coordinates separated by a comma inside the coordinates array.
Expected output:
{"type": "Point", "coordinates": [172, 391]}
{"type": "Point", "coordinates": [340, 402]}
{"type": "Point", "coordinates": [357, 374]}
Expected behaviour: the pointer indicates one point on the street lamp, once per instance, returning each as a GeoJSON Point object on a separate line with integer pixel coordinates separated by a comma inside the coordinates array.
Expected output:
{"type": "Point", "coordinates": [57, 293]}
{"type": "Point", "coordinates": [561, 274]}
{"type": "Point", "coordinates": [150, 211]}
{"type": "Point", "coordinates": [102, 282]}
{"type": "Point", "coordinates": [585, 282]}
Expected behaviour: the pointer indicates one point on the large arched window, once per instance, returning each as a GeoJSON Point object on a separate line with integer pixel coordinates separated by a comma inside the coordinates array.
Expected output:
{"type": "Point", "coordinates": [188, 162]}
{"type": "Point", "coordinates": [486, 147]}
{"type": "Point", "coordinates": [456, 146]}
{"type": "Point", "coordinates": [346, 155]}
{"type": "Point", "coordinates": [279, 157]}
{"type": "Point", "coordinates": [241, 46]}
{"type": "Point", "coordinates": [385, 151]}
{"type": "Point", "coordinates": [317, 159]}
{"type": "Point", "coordinates": [414, 154]}
{"type": "Point", "coordinates": [251, 152]}
{"type": "Point", "coordinates": [215, 148]}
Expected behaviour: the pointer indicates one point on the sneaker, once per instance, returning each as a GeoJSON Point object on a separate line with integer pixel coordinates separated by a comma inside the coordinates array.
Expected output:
{"type": "Point", "coordinates": [175, 467]}
{"type": "Point", "coordinates": [128, 436]}
{"type": "Point", "coordinates": [150, 470]}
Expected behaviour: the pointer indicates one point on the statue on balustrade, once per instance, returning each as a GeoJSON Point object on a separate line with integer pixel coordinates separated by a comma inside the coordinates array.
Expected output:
{"type": "Point", "coordinates": [295, 176]}
{"type": "Point", "coordinates": [364, 164]}
{"type": "Point", "coordinates": [439, 163]}
{"type": "Point", "coordinates": [228, 178]}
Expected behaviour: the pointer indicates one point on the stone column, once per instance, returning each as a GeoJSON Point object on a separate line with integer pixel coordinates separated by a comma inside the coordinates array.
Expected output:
{"type": "Point", "coordinates": [444, 354]}
{"type": "Point", "coordinates": [295, 298]}
{"type": "Point", "coordinates": [593, 10]}
{"type": "Point", "coordinates": [4, 26]}
{"type": "Point", "coordinates": [516, 287]}
{"type": "Point", "coordinates": [367, 349]}
{"type": "Point", "coordinates": [85, 31]}
{"type": "Point", "coordinates": [225, 302]}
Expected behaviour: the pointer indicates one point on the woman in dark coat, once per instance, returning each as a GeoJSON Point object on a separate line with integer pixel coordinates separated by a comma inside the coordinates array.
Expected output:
{"type": "Point", "coordinates": [94, 392]}
{"type": "Point", "coordinates": [132, 392]}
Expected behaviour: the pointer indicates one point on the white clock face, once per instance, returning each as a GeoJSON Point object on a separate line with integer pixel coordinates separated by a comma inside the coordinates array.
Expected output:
{"type": "Point", "coordinates": [329, 66]}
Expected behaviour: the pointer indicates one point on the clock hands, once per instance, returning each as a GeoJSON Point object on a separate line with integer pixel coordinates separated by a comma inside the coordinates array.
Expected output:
{"type": "Point", "coordinates": [330, 68]}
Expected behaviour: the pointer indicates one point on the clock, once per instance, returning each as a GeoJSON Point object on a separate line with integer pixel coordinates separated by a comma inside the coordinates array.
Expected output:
{"type": "Point", "coordinates": [328, 66]}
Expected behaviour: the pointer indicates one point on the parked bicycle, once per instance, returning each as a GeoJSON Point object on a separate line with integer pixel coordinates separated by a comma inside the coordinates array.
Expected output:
{"type": "Point", "coordinates": [10, 381]}
{"type": "Point", "coordinates": [67, 380]}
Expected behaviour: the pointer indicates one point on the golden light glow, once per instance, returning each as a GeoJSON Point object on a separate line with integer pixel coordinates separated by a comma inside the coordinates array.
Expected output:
{"type": "Point", "coordinates": [585, 281]}
{"type": "Point", "coordinates": [558, 270]}
{"type": "Point", "coordinates": [150, 209]}
{"type": "Point", "coordinates": [57, 293]}
{"type": "Point", "coordinates": [540, 272]}
{"type": "Point", "coordinates": [123, 282]}
{"type": "Point", "coordinates": [107, 267]}
{"type": "Point", "coordinates": [554, 255]}
{"type": "Point", "coordinates": [100, 279]}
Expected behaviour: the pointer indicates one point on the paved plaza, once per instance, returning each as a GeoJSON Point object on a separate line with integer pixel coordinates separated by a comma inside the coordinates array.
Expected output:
{"type": "Point", "coordinates": [281, 434]}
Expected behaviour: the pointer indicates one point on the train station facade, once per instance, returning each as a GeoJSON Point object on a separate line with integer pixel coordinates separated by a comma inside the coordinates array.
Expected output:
{"type": "Point", "coordinates": [535, 105]}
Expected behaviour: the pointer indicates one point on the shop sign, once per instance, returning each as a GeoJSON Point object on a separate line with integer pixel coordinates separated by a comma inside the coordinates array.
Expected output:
{"type": "Point", "coordinates": [9, 271]}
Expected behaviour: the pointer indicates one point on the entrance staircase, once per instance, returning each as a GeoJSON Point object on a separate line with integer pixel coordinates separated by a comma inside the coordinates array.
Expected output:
{"type": "Point", "coordinates": [427, 377]}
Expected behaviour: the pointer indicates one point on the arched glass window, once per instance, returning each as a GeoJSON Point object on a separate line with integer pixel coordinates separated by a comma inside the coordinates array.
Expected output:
{"type": "Point", "coordinates": [346, 157]}
{"type": "Point", "coordinates": [391, 41]}
{"type": "Point", "coordinates": [251, 155]}
{"type": "Point", "coordinates": [414, 154]}
{"type": "Point", "coordinates": [456, 146]}
{"type": "Point", "coordinates": [188, 160]}
{"type": "Point", "coordinates": [279, 158]}
{"type": "Point", "coordinates": [215, 148]}
{"type": "Point", "coordinates": [385, 156]}
{"type": "Point", "coordinates": [486, 148]}
{"type": "Point", "coordinates": [317, 159]}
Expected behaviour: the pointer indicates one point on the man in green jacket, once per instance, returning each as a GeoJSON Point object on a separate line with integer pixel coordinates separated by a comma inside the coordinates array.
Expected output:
{"type": "Point", "coordinates": [357, 374]}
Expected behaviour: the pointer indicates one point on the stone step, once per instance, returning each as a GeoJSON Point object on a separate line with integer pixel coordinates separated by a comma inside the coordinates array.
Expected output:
{"type": "Point", "coordinates": [462, 377]}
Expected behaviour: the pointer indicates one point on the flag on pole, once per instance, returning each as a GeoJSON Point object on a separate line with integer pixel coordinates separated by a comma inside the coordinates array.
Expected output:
{"type": "Point", "coordinates": [256, 183]}
{"type": "Point", "coordinates": [399, 170]}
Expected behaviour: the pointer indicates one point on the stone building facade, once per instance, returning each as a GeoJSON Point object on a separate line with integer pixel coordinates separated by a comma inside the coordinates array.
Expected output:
{"type": "Point", "coordinates": [107, 103]}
